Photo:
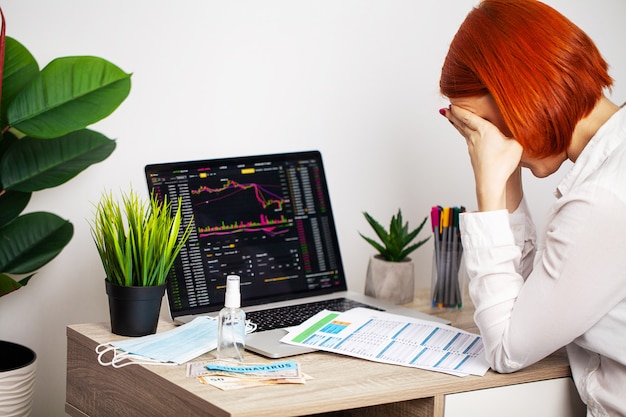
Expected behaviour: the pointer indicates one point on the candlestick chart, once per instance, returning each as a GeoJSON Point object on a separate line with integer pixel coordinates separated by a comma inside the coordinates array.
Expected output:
{"type": "Point", "coordinates": [250, 207]}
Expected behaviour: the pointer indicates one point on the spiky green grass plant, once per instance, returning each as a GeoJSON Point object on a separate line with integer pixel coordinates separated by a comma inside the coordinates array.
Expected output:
{"type": "Point", "coordinates": [137, 240]}
{"type": "Point", "coordinates": [395, 244]}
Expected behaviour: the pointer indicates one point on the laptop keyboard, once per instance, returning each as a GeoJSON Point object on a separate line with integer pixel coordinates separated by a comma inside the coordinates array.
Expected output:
{"type": "Point", "coordinates": [277, 318]}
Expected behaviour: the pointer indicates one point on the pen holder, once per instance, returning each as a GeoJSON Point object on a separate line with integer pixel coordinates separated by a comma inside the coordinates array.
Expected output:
{"type": "Point", "coordinates": [448, 288]}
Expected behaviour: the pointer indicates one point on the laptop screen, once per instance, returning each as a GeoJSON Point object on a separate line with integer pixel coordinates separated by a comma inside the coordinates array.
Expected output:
{"type": "Point", "coordinates": [265, 218]}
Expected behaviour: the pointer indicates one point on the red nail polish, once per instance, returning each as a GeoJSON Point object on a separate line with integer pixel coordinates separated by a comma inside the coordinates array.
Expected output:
{"type": "Point", "coordinates": [442, 112]}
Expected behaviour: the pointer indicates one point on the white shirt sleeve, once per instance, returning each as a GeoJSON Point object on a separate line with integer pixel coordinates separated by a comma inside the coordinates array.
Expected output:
{"type": "Point", "coordinates": [576, 281]}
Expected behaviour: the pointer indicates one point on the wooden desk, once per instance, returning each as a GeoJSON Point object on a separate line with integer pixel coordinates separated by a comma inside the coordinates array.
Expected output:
{"type": "Point", "coordinates": [342, 386]}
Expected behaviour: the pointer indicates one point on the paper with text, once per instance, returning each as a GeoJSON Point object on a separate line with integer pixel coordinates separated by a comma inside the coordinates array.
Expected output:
{"type": "Point", "coordinates": [394, 339]}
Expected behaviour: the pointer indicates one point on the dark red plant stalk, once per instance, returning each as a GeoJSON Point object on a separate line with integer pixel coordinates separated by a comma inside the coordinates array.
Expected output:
{"type": "Point", "coordinates": [2, 42]}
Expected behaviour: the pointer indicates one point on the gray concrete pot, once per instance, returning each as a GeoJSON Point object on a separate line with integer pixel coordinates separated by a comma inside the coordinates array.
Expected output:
{"type": "Point", "coordinates": [390, 281]}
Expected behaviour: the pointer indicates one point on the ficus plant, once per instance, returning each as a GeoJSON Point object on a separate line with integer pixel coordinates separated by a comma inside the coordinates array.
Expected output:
{"type": "Point", "coordinates": [45, 142]}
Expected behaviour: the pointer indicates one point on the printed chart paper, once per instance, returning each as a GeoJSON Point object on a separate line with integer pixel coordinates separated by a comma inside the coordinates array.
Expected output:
{"type": "Point", "coordinates": [394, 339]}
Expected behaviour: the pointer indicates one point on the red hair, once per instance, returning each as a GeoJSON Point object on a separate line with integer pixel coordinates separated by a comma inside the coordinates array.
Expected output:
{"type": "Point", "coordinates": [544, 73]}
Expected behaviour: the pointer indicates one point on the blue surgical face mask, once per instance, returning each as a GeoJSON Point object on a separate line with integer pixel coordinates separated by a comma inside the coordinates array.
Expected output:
{"type": "Point", "coordinates": [172, 347]}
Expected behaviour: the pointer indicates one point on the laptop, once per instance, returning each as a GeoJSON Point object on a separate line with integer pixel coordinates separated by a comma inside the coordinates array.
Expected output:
{"type": "Point", "coordinates": [268, 219]}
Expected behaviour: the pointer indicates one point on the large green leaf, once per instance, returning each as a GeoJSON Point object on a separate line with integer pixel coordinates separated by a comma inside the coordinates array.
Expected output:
{"type": "Point", "coordinates": [70, 93]}
{"type": "Point", "coordinates": [20, 68]}
{"type": "Point", "coordinates": [31, 241]}
{"type": "Point", "coordinates": [7, 140]}
{"type": "Point", "coordinates": [34, 164]}
{"type": "Point", "coordinates": [12, 203]}
{"type": "Point", "coordinates": [8, 284]}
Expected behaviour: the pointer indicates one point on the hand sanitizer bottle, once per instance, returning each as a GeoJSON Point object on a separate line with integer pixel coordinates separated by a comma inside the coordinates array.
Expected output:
{"type": "Point", "coordinates": [231, 323]}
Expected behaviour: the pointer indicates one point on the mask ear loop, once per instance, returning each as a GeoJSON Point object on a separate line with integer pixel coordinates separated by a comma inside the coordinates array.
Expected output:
{"type": "Point", "coordinates": [121, 359]}
{"type": "Point", "coordinates": [103, 349]}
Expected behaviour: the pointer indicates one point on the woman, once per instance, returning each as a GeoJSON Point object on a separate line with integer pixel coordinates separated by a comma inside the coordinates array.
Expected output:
{"type": "Point", "coordinates": [526, 88]}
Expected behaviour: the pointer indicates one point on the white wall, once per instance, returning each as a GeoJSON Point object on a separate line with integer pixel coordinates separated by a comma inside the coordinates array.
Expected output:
{"type": "Point", "coordinates": [357, 79]}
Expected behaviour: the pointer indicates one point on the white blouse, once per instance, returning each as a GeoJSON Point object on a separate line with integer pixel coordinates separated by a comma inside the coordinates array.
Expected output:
{"type": "Point", "coordinates": [574, 292]}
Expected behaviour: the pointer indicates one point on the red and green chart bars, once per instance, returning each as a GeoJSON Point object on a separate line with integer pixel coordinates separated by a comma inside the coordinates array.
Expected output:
{"type": "Point", "coordinates": [446, 288]}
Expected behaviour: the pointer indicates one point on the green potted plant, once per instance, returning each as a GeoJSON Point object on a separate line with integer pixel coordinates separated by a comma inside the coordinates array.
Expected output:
{"type": "Point", "coordinates": [138, 241]}
{"type": "Point", "coordinates": [44, 143]}
{"type": "Point", "coordinates": [391, 272]}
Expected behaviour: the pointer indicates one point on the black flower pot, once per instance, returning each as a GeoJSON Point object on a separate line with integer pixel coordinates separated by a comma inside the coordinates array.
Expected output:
{"type": "Point", "coordinates": [134, 311]}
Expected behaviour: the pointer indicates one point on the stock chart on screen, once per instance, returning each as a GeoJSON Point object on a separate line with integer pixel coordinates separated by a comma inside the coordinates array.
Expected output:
{"type": "Point", "coordinates": [265, 219]}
